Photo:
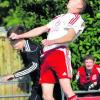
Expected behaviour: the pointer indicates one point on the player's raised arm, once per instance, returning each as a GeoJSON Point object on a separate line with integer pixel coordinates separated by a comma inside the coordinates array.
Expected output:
{"type": "Point", "coordinates": [32, 33]}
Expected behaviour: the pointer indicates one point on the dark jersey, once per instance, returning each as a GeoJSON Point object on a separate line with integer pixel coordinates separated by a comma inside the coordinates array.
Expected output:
{"type": "Point", "coordinates": [31, 59]}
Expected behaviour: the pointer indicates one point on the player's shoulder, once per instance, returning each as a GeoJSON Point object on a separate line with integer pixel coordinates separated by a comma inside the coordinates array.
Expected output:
{"type": "Point", "coordinates": [31, 46]}
{"type": "Point", "coordinates": [73, 15]}
{"type": "Point", "coordinates": [74, 19]}
{"type": "Point", "coordinates": [58, 16]}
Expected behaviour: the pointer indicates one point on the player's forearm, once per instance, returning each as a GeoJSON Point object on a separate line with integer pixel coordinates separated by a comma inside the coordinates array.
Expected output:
{"type": "Point", "coordinates": [34, 32]}
{"type": "Point", "coordinates": [67, 38]}
{"type": "Point", "coordinates": [33, 66]}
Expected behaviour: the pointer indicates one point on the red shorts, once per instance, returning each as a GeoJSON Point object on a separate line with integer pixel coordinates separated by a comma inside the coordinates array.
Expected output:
{"type": "Point", "coordinates": [56, 64]}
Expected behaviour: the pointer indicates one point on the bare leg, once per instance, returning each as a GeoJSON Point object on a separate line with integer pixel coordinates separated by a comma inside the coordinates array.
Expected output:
{"type": "Point", "coordinates": [47, 90]}
{"type": "Point", "coordinates": [66, 86]}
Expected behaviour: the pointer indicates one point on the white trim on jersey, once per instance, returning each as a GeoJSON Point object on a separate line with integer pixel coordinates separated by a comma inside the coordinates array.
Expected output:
{"type": "Point", "coordinates": [74, 19]}
{"type": "Point", "coordinates": [68, 61]}
{"type": "Point", "coordinates": [27, 71]}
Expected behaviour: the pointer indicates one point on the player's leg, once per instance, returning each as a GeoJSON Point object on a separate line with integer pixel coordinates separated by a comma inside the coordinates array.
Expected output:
{"type": "Point", "coordinates": [36, 92]}
{"type": "Point", "coordinates": [47, 81]}
{"type": "Point", "coordinates": [47, 90]}
{"type": "Point", "coordinates": [57, 92]}
{"type": "Point", "coordinates": [61, 64]}
{"type": "Point", "coordinates": [66, 86]}
{"type": "Point", "coordinates": [36, 86]}
{"type": "Point", "coordinates": [34, 95]}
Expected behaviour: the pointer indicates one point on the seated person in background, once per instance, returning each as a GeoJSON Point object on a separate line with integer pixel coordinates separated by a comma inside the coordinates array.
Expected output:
{"type": "Point", "coordinates": [88, 75]}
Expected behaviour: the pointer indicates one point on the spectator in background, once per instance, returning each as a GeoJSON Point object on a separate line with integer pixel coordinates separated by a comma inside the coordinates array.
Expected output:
{"type": "Point", "coordinates": [88, 75]}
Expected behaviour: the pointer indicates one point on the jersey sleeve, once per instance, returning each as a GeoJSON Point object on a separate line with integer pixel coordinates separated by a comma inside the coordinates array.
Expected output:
{"type": "Point", "coordinates": [77, 23]}
{"type": "Point", "coordinates": [50, 24]}
{"type": "Point", "coordinates": [26, 70]}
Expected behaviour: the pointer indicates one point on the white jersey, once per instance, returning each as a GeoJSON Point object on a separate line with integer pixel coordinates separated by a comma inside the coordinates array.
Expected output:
{"type": "Point", "coordinates": [59, 26]}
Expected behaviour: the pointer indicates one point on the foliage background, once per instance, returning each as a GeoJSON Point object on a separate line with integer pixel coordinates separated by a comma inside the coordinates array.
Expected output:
{"type": "Point", "coordinates": [33, 13]}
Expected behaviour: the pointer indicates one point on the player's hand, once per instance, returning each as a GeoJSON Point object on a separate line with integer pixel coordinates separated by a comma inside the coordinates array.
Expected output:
{"type": "Point", "coordinates": [91, 86]}
{"type": "Point", "coordinates": [7, 77]}
{"type": "Point", "coordinates": [46, 42]}
{"type": "Point", "coordinates": [14, 36]}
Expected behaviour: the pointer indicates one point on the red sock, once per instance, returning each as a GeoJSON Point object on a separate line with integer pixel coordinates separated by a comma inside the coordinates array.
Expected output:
{"type": "Point", "coordinates": [74, 97]}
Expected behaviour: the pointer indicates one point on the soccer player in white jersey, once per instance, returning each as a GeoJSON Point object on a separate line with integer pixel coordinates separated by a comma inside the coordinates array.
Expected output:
{"type": "Point", "coordinates": [56, 64]}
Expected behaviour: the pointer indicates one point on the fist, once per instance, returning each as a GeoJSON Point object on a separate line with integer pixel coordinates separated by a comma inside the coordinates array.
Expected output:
{"type": "Point", "coordinates": [14, 36]}
{"type": "Point", "coordinates": [7, 77]}
{"type": "Point", "coordinates": [46, 42]}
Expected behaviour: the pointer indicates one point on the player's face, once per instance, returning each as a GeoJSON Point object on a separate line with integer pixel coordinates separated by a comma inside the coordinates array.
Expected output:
{"type": "Point", "coordinates": [74, 6]}
{"type": "Point", "coordinates": [17, 44]}
{"type": "Point", "coordinates": [89, 63]}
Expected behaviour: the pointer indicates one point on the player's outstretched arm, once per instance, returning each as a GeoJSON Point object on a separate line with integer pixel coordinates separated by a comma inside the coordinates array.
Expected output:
{"type": "Point", "coordinates": [32, 33]}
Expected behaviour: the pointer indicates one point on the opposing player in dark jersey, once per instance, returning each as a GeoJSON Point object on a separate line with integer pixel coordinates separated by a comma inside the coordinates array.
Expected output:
{"type": "Point", "coordinates": [30, 53]}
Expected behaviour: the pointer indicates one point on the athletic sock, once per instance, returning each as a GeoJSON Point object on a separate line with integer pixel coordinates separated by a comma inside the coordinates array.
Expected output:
{"type": "Point", "coordinates": [74, 97]}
